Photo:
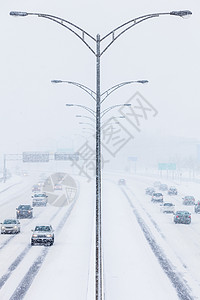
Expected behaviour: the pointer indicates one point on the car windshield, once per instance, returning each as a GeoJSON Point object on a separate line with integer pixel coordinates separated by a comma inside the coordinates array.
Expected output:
{"type": "Point", "coordinates": [10, 222]}
{"type": "Point", "coordinates": [25, 207]}
{"type": "Point", "coordinates": [39, 195]}
{"type": "Point", "coordinates": [182, 213]}
{"type": "Point", "coordinates": [189, 197]}
{"type": "Point", "coordinates": [157, 194]}
{"type": "Point", "coordinates": [168, 204]}
{"type": "Point", "coordinates": [42, 228]}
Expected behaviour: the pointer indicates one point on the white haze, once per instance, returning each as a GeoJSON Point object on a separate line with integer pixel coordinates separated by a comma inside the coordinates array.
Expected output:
{"type": "Point", "coordinates": [164, 50]}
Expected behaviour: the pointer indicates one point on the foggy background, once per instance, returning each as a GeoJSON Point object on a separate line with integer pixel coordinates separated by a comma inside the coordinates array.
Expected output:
{"type": "Point", "coordinates": [164, 50]}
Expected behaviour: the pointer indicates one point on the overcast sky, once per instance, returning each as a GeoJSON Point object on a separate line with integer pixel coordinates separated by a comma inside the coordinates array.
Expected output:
{"type": "Point", "coordinates": [165, 51]}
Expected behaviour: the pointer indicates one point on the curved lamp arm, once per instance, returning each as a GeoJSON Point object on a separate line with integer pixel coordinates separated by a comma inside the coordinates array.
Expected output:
{"type": "Point", "coordinates": [118, 31]}
{"type": "Point", "coordinates": [80, 34]}
{"type": "Point", "coordinates": [85, 123]}
{"type": "Point", "coordinates": [84, 107]}
{"type": "Point", "coordinates": [83, 87]}
{"type": "Point", "coordinates": [112, 107]}
{"type": "Point", "coordinates": [105, 94]}
{"type": "Point", "coordinates": [82, 116]}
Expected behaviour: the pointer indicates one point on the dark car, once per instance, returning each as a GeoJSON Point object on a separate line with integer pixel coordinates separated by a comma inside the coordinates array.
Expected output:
{"type": "Point", "coordinates": [188, 200]}
{"type": "Point", "coordinates": [24, 211]}
{"type": "Point", "coordinates": [157, 184]}
{"type": "Point", "coordinates": [157, 197]}
{"type": "Point", "coordinates": [41, 183]}
{"type": "Point", "coordinates": [121, 182]}
{"type": "Point", "coordinates": [183, 217]}
{"type": "Point", "coordinates": [149, 190]}
{"type": "Point", "coordinates": [172, 191]}
{"type": "Point", "coordinates": [163, 187]}
{"type": "Point", "coordinates": [197, 208]}
{"type": "Point", "coordinates": [35, 188]}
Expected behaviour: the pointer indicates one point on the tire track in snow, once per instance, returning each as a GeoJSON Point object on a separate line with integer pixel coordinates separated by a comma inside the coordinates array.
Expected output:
{"type": "Point", "coordinates": [19, 258]}
{"type": "Point", "coordinates": [183, 291]}
{"type": "Point", "coordinates": [27, 280]}
{"type": "Point", "coordinates": [15, 235]}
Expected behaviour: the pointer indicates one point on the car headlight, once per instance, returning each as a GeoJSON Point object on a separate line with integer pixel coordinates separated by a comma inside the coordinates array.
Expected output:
{"type": "Point", "coordinates": [15, 227]}
{"type": "Point", "coordinates": [29, 211]}
{"type": "Point", "coordinates": [3, 227]}
{"type": "Point", "coordinates": [49, 235]}
{"type": "Point", "coordinates": [34, 235]}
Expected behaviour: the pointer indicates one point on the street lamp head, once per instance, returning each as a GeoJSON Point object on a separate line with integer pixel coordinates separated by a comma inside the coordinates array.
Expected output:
{"type": "Point", "coordinates": [69, 104]}
{"type": "Point", "coordinates": [181, 13]}
{"type": "Point", "coordinates": [18, 14]}
{"type": "Point", "coordinates": [56, 81]}
{"type": "Point", "coordinates": [143, 81]}
{"type": "Point", "coordinates": [78, 116]}
{"type": "Point", "coordinates": [127, 104]}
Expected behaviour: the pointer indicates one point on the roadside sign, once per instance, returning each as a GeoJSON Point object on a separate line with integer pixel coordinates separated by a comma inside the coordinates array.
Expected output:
{"type": "Point", "coordinates": [66, 156]}
{"type": "Point", "coordinates": [166, 166]}
{"type": "Point", "coordinates": [35, 157]}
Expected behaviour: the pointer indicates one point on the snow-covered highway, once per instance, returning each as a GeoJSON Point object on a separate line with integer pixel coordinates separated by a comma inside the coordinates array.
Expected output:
{"type": "Point", "coordinates": [145, 255]}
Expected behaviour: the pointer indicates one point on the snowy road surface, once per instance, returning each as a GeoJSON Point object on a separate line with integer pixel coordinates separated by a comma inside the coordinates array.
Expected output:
{"type": "Point", "coordinates": [145, 255]}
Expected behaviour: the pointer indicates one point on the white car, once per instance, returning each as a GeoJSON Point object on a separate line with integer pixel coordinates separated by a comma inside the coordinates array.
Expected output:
{"type": "Point", "coordinates": [167, 207]}
{"type": "Point", "coordinates": [39, 199]}
{"type": "Point", "coordinates": [157, 197]}
{"type": "Point", "coordinates": [10, 226]}
{"type": "Point", "coordinates": [42, 234]}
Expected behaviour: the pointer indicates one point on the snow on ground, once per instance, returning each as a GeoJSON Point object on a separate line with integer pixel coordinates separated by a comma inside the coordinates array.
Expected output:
{"type": "Point", "coordinates": [66, 271]}
{"type": "Point", "coordinates": [131, 269]}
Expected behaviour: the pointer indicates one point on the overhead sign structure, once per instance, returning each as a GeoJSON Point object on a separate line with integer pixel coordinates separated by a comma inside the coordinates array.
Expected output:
{"type": "Point", "coordinates": [66, 156]}
{"type": "Point", "coordinates": [166, 166]}
{"type": "Point", "coordinates": [35, 157]}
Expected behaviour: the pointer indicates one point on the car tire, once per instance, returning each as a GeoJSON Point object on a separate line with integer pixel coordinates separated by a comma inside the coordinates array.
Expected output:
{"type": "Point", "coordinates": [32, 243]}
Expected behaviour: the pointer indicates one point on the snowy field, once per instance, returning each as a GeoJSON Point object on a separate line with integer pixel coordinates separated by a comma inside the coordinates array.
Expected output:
{"type": "Point", "coordinates": [145, 255]}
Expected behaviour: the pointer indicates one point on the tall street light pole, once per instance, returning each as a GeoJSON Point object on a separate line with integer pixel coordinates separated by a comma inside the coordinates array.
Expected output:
{"type": "Point", "coordinates": [114, 34]}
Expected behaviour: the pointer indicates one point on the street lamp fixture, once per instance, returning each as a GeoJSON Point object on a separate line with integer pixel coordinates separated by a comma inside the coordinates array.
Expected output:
{"type": "Point", "coordinates": [99, 98]}
{"type": "Point", "coordinates": [181, 13]}
{"type": "Point", "coordinates": [56, 81]}
{"type": "Point", "coordinates": [18, 14]}
{"type": "Point", "coordinates": [105, 94]}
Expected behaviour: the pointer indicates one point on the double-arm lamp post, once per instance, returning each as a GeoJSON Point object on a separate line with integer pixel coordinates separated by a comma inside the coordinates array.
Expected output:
{"type": "Point", "coordinates": [109, 38]}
